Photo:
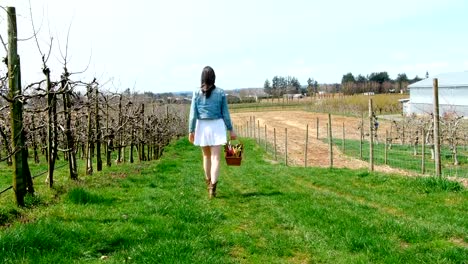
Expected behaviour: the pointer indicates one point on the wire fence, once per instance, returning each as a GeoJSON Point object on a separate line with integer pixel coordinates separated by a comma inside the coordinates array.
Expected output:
{"type": "Point", "coordinates": [396, 144]}
{"type": "Point", "coordinates": [33, 177]}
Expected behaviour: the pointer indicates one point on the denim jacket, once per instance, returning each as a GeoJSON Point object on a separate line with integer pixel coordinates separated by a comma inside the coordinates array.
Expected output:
{"type": "Point", "coordinates": [214, 107]}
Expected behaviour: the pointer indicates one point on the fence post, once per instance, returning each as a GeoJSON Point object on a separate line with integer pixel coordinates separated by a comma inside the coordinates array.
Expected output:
{"type": "Point", "coordinates": [317, 128]}
{"type": "Point", "coordinates": [247, 130]}
{"type": "Point", "coordinates": [330, 140]}
{"type": "Point", "coordinates": [286, 146]}
{"type": "Point", "coordinates": [403, 134]}
{"type": "Point", "coordinates": [371, 137]}
{"type": "Point", "coordinates": [258, 131]}
{"type": "Point", "coordinates": [274, 141]}
{"type": "Point", "coordinates": [306, 143]}
{"type": "Point", "coordinates": [22, 180]}
{"type": "Point", "coordinates": [362, 135]}
{"type": "Point", "coordinates": [250, 127]}
{"type": "Point", "coordinates": [423, 152]}
{"type": "Point", "coordinates": [266, 146]}
{"type": "Point", "coordinates": [343, 143]}
{"type": "Point", "coordinates": [254, 128]}
{"type": "Point", "coordinates": [386, 148]}
{"type": "Point", "coordinates": [436, 128]}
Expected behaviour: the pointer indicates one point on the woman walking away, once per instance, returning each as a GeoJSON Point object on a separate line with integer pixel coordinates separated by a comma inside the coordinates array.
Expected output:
{"type": "Point", "coordinates": [208, 121]}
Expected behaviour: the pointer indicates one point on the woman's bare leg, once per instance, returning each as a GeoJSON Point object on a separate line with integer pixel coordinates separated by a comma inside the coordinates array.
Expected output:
{"type": "Point", "coordinates": [215, 160]}
{"type": "Point", "coordinates": [207, 162]}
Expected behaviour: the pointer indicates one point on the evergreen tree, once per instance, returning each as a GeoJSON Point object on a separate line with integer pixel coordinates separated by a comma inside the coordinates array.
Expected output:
{"type": "Point", "coordinates": [267, 87]}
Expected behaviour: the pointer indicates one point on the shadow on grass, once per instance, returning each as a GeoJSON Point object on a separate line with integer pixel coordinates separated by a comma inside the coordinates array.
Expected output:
{"type": "Point", "coordinates": [82, 196]}
{"type": "Point", "coordinates": [266, 194]}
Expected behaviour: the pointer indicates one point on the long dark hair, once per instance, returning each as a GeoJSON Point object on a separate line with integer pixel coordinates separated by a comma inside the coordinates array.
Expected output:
{"type": "Point", "coordinates": [208, 78]}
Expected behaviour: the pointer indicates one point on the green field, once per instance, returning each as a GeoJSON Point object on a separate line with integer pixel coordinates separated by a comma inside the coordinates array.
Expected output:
{"type": "Point", "coordinates": [159, 212]}
{"type": "Point", "coordinates": [402, 156]}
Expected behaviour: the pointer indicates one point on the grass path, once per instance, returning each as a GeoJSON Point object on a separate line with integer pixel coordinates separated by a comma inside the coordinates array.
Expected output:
{"type": "Point", "coordinates": [158, 212]}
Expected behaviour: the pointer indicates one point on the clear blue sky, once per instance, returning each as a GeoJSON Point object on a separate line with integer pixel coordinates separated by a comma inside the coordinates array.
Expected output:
{"type": "Point", "coordinates": [162, 46]}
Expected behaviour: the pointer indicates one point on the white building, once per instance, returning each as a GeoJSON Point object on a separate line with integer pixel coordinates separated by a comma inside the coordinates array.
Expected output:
{"type": "Point", "coordinates": [453, 95]}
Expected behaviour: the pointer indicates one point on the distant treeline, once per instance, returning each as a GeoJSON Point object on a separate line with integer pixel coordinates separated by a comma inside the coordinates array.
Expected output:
{"type": "Point", "coordinates": [376, 82]}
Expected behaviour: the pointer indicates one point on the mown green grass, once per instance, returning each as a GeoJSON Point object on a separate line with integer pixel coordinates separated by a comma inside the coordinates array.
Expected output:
{"type": "Point", "coordinates": [159, 212]}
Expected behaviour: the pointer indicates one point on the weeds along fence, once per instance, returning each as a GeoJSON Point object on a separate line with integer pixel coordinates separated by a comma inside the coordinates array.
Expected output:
{"type": "Point", "coordinates": [399, 144]}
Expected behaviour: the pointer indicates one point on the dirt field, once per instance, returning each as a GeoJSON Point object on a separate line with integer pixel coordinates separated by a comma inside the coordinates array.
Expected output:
{"type": "Point", "coordinates": [318, 151]}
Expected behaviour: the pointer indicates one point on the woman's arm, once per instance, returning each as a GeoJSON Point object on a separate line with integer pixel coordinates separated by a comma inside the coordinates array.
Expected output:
{"type": "Point", "coordinates": [227, 116]}
{"type": "Point", "coordinates": [193, 118]}
{"type": "Point", "coordinates": [193, 114]}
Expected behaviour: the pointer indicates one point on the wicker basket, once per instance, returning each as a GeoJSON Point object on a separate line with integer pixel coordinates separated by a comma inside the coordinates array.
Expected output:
{"type": "Point", "coordinates": [233, 160]}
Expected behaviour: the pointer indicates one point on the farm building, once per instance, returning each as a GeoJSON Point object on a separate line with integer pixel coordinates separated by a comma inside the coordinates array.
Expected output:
{"type": "Point", "coordinates": [453, 95]}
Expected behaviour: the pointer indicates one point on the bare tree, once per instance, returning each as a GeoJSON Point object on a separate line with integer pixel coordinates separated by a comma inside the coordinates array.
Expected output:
{"type": "Point", "coordinates": [452, 134]}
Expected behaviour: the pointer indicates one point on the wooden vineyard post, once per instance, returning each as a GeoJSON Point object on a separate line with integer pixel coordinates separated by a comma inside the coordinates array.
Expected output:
{"type": "Point", "coordinates": [132, 142]}
{"type": "Point", "coordinates": [361, 138]}
{"type": "Point", "coordinates": [386, 147]}
{"type": "Point", "coordinates": [253, 125]}
{"type": "Point", "coordinates": [438, 168]}
{"type": "Point", "coordinates": [250, 127]}
{"type": "Point", "coordinates": [109, 137]}
{"type": "Point", "coordinates": [423, 152]}
{"type": "Point", "coordinates": [51, 128]}
{"type": "Point", "coordinates": [274, 141]}
{"type": "Point", "coordinates": [371, 137]}
{"type": "Point", "coordinates": [306, 143]}
{"type": "Point", "coordinates": [141, 149]}
{"type": "Point", "coordinates": [330, 140]}
{"type": "Point", "coordinates": [98, 131]}
{"type": "Point", "coordinates": [403, 134]}
{"type": "Point", "coordinates": [286, 146]}
{"type": "Point", "coordinates": [258, 132]}
{"type": "Point", "coordinates": [67, 106]}
{"type": "Point", "coordinates": [317, 128]}
{"type": "Point", "coordinates": [344, 135]}
{"type": "Point", "coordinates": [90, 136]}
{"type": "Point", "coordinates": [22, 180]}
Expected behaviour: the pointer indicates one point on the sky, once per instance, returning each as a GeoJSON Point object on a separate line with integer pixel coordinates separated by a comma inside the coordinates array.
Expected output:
{"type": "Point", "coordinates": [162, 46]}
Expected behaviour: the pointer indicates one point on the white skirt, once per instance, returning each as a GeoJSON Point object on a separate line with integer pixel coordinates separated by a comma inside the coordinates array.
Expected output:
{"type": "Point", "coordinates": [210, 132]}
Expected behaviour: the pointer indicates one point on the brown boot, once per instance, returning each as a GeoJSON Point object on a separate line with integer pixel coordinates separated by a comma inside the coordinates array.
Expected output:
{"type": "Point", "coordinates": [212, 190]}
